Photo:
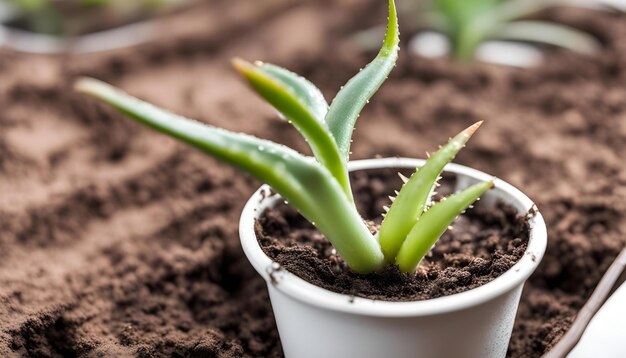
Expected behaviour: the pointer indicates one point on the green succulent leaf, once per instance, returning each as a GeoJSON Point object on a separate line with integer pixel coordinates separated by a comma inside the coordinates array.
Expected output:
{"type": "Point", "coordinates": [293, 98]}
{"type": "Point", "coordinates": [301, 180]}
{"type": "Point", "coordinates": [411, 201]}
{"type": "Point", "coordinates": [433, 223]}
{"type": "Point", "coordinates": [347, 105]}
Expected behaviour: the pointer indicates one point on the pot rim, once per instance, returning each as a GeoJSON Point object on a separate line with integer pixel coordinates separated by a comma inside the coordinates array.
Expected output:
{"type": "Point", "coordinates": [308, 293]}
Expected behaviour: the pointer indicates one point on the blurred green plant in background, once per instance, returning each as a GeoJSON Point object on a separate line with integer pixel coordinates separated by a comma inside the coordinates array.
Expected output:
{"type": "Point", "coordinates": [469, 23]}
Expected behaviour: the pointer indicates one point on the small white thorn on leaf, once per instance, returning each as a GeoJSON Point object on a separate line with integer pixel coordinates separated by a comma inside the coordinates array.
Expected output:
{"type": "Point", "coordinates": [395, 191]}
{"type": "Point", "coordinates": [386, 208]}
{"type": "Point", "coordinates": [384, 215]}
{"type": "Point", "coordinates": [404, 179]}
{"type": "Point", "coordinates": [392, 198]}
{"type": "Point", "coordinates": [450, 227]}
{"type": "Point", "coordinates": [427, 155]}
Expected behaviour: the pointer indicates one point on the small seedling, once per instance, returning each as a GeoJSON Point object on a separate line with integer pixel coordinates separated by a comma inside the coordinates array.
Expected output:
{"type": "Point", "coordinates": [319, 187]}
{"type": "Point", "coordinates": [469, 23]}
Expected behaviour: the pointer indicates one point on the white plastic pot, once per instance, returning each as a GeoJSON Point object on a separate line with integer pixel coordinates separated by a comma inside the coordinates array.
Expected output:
{"type": "Point", "coordinates": [314, 322]}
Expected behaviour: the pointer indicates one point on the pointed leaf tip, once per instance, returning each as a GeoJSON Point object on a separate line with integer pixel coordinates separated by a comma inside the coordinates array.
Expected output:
{"type": "Point", "coordinates": [81, 83]}
{"type": "Point", "coordinates": [469, 131]}
{"type": "Point", "coordinates": [392, 35]}
{"type": "Point", "coordinates": [462, 138]}
{"type": "Point", "coordinates": [242, 66]}
{"type": "Point", "coordinates": [90, 85]}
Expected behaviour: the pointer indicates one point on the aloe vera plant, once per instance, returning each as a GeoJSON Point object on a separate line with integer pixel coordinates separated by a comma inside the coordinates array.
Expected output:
{"type": "Point", "coordinates": [318, 187]}
{"type": "Point", "coordinates": [468, 23]}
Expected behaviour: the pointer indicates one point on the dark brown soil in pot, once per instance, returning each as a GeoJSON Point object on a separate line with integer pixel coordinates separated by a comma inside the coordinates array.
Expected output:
{"type": "Point", "coordinates": [118, 241]}
{"type": "Point", "coordinates": [484, 243]}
